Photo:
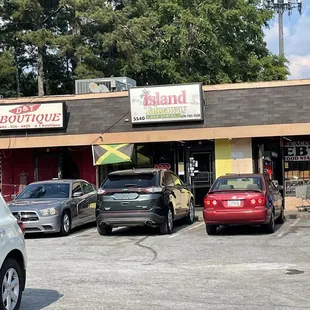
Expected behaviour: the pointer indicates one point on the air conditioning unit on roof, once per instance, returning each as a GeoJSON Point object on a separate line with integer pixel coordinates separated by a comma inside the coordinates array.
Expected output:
{"type": "Point", "coordinates": [103, 85]}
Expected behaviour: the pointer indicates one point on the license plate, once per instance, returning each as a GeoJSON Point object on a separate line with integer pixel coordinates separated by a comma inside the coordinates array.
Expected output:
{"type": "Point", "coordinates": [125, 196]}
{"type": "Point", "coordinates": [234, 203]}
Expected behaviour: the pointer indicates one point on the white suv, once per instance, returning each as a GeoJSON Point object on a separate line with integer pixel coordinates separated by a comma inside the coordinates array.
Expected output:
{"type": "Point", "coordinates": [13, 259]}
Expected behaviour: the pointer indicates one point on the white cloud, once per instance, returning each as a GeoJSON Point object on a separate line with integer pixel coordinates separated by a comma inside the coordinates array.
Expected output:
{"type": "Point", "coordinates": [299, 66]}
{"type": "Point", "coordinates": [296, 43]}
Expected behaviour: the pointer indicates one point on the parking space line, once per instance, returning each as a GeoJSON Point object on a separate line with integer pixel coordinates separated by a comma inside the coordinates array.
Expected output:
{"type": "Point", "coordinates": [186, 230]}
{"type": "Point", "coordinates": [295, 222]}
{"type": "Point", "coordinates": [282, 233]}
{"type": "Point", "coordinates": [195, 226]}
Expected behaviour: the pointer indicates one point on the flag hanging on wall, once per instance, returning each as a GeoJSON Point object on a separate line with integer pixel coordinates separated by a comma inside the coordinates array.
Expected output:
{"type": "Point", "coordinates": [112, 153]}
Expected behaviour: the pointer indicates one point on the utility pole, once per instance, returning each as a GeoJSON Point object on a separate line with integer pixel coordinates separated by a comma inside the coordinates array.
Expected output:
{"type": "Point", "coordinates": [280, 6]}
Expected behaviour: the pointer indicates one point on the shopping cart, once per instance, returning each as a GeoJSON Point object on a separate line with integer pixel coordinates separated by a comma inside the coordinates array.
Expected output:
{"type": "Point", "coordinates": [303, 192]}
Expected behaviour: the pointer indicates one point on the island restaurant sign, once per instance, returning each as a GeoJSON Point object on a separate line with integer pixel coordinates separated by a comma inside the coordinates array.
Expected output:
{"type": "Point", "coordinates": [297, 151]}
{"type": "Point", "coordinates": [169, 103]}
{"type": "Point", "coordinates": [31, 116]}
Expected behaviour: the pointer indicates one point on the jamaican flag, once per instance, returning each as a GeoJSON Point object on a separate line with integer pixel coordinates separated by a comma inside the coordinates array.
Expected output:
{"type": "Point", "coordinates": [112, 153]}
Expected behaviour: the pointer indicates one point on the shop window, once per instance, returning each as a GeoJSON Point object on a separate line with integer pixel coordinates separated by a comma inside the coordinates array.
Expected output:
{"type": "Point", "coordinates": [296, 165]}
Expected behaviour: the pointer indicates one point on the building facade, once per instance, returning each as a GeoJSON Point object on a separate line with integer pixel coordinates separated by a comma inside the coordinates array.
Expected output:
{"type": "Point", "coordinates": [232, 128]}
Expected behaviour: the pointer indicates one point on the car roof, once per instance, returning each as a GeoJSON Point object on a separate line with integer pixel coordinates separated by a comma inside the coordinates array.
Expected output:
{"type": "Point", "coordinates": [59, 181]}
{"type": "Point", "coordinates": [242, 175]}
{"type": "Point", "coordinates": [137, 171]}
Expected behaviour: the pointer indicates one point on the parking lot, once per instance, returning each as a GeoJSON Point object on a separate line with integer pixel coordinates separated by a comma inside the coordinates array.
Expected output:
{"type": "Point", "coordinates": [240, 268]}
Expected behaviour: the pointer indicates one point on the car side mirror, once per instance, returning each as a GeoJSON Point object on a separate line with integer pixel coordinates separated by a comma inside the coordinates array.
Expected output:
{"type": "Point", "coordinates": [77, 194]}
{"type": "Point", "coordinates": [280, 188]}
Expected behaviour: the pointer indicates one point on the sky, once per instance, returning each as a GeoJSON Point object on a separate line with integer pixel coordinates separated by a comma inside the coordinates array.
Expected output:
{"type": "Point", "coordinates": [296, 41]}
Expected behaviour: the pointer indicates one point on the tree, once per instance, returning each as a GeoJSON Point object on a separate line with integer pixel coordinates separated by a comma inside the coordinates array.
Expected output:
{"type": "Point", "coordinates": [154, 42]}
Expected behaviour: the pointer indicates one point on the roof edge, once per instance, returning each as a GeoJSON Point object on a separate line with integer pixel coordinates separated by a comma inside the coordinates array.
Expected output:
{"type": "Point", "coordinates": [206, 88]}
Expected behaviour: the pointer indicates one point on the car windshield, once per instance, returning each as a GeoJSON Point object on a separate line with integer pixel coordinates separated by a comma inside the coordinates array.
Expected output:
{"type": "Point", "coordinates": [45, 191]}
{"type": "Point", "coordinates": [237, 183]}
{"type": "Point", "coordinates": [123, 181]}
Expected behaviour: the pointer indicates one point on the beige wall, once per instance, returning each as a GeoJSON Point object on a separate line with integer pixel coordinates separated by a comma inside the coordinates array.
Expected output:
{"type": "Point", "coordinates": [233, 156]}
{"type": "Point", "coordinates": [241, 153]}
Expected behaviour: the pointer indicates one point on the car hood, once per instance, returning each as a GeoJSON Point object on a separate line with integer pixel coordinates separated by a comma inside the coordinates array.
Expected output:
{"type": "Point", "coordinates": [35, 204]}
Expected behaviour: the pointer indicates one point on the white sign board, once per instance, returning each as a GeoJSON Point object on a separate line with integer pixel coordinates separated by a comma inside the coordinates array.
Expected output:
{"type": "Point", "coordinates": [297, 151]}
{"type": "Point", "coordinates": [170, 103]}
{"type": "Point", "coordinates": [31, 116]}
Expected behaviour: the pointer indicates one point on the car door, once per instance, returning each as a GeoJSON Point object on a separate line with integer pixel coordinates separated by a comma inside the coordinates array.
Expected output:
{"type": "Point", "coordinates": [80, 200]}
{"type": "Point", "coordinates": [91, 193]}
{"type": "Point", "coordinates": [183, 195]}
{"type": "Point", "coordinates": [173, 193]}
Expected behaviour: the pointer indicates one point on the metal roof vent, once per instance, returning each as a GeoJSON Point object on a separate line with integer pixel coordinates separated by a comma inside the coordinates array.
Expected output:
{"type": "Point", "coordinates": [103, 85]}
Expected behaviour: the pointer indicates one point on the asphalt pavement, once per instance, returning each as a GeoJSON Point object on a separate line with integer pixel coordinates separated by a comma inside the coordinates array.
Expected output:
{"type": "Point", "coordinates": [241, 268]}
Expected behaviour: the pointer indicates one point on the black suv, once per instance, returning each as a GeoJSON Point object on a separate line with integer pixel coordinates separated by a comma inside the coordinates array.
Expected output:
{"type": "Point", "coordinates": [139, 197]}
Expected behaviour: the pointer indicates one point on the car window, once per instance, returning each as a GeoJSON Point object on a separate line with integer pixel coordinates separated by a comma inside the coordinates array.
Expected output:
{"type": "Point", "coordinates": [141, 180]}
{"type": "Point", "coordinates": [87, 188]}
{"type": "Point", "coordinates": [176, 180]}
{"type": "Point", "coordinates": [237, 183]}
{"type": "Point", "coordinates": [76, 187]}
{"type": "Point", "coordinates": [168, 181]}
{"type": "Point", "coordinates": [45, 190]}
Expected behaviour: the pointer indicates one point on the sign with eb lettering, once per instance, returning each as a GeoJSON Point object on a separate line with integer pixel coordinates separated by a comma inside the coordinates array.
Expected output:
{"type": "Point", "coordinates": [31, 116]}
{"type": "Point", "coordinates": [297, 151]}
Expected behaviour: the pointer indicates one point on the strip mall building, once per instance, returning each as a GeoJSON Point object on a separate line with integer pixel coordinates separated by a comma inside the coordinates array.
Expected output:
{"type": "Point", "coordinates": [200, 132]}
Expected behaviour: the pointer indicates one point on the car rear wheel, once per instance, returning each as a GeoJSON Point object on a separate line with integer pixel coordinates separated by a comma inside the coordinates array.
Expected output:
{"type": "Point", "coordinates": [281, 218]}
{"type": "Point", "coordinates": [104, 230]}
{"type": "Point", "coordinates": [190, 218]}
{"type": "Point", "coordinates": [167, 227]}
{"type": "Point", "coordinates": [270, 227]}
{"type": "Point", "coordinates": [11, 279]}
{"type": "Point", "coordinates": [211, 229]}
{"type": "Point", "coordinates": [65, 224]}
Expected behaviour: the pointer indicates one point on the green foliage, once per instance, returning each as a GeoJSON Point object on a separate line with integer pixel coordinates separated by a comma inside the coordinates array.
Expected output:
{"type": "Point", "coordinates": [154, 42]}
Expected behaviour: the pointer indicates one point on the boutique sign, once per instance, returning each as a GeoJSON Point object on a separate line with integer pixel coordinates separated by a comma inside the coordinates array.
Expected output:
{"type": "Point", "coordinates": [297, 151]}
{"type": "Point", "coordinates": [169, 103]}
{"type": "Point", "coordinates": [31, 116]}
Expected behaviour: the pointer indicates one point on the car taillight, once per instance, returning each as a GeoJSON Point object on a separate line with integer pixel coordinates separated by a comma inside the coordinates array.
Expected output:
{"type": "Point", "coordinates": [258, 201]}
{"type": "Point", "coordinates": [21, 226]}
{"type": "Point", "coordinates": [154, 189]}
{"type": "Point", "coordinates": [209, 202]}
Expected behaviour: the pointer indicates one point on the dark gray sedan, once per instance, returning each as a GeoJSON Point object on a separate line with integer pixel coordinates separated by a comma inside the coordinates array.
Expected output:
{"type": "Point", "coordinates": [55, 206]}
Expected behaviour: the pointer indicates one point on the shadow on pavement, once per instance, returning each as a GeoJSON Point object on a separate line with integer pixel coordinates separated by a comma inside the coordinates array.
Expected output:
{"type": "Point", "coordinates": [243, 230]}
{"type": "Point", "coordinates": [79, 229]}
{"type": "Point", "coordinates": [37, 299]}
{"type": "Point", "coordinates": [146, 231]}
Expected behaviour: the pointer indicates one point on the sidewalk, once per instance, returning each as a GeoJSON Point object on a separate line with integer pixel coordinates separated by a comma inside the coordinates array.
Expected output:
{"type": "Point", "coordinates": [289, 214]}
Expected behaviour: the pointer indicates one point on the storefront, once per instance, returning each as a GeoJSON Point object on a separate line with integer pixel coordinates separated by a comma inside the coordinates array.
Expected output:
{"type": "Point", "coordinates": [199, 132]}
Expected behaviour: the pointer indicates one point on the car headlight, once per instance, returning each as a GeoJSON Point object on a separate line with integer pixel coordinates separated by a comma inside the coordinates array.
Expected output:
{"type": "Point", "coordinates": [49, 212]}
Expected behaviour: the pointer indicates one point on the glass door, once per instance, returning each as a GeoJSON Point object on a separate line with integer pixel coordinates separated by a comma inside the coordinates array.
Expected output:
{"type": "Point", "coordinates": [200, 174]}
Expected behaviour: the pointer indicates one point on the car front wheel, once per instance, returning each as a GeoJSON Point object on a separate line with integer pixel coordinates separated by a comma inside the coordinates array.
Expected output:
{"type": "Point", "coordinates": [11, 280]}
{"type": "Point", "coordinates": [65, 224]}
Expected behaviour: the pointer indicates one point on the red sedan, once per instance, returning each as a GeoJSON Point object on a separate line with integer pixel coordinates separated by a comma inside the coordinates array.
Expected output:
{"type": "Point", "coordinates": [243, 199]}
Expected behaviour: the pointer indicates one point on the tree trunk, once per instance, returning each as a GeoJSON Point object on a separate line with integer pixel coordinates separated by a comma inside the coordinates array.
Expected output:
{"type": "Point", "coordinates": [17, 73]}
{"type": "Point", "coordinates": [40, 72]}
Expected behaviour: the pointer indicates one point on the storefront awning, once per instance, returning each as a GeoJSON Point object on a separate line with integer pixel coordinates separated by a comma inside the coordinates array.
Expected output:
{"type": "Point", "coordinates": [112, 153]}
